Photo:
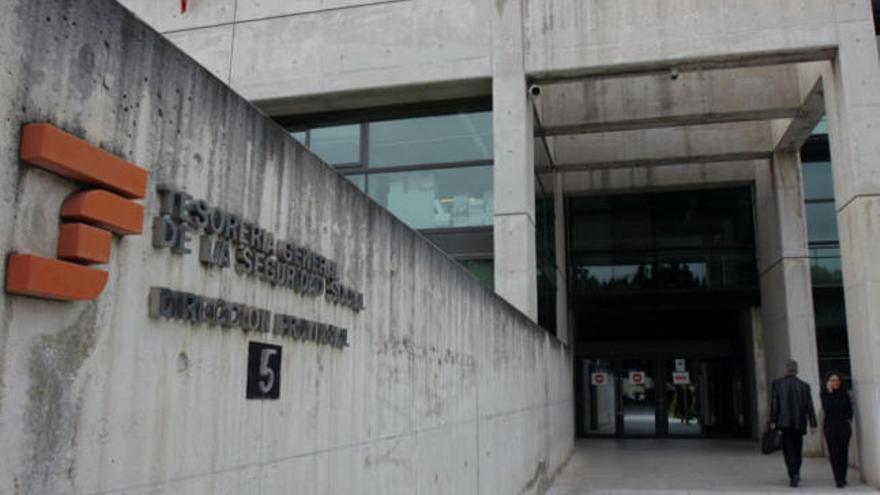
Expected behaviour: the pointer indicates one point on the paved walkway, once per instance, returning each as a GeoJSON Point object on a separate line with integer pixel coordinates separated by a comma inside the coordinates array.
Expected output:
{"type": "Point", "coordinates": [674, 467]}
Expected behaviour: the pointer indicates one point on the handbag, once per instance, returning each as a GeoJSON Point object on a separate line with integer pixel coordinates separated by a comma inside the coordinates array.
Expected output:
{"type": "Point", "coordinates": [771, 441]}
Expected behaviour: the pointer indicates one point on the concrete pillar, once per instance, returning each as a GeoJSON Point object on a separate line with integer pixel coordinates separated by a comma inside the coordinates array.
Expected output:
{"type": "Point", "coordinates": [756, 361]}
{"type": "Point", "coordinates": [562, 330]}
{"type": "Point", "coordinates": [852, 98]}
{"type": "Point", "coordinates": [514, 178]}
{"type": "Point", "coordinates": [789, 325]}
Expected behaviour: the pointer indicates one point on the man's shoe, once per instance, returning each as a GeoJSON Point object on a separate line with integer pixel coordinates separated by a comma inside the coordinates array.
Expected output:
{"type": "Point", "coordinates": [840, 484]}
{"type": "Point", "coordinates": [794, 482]}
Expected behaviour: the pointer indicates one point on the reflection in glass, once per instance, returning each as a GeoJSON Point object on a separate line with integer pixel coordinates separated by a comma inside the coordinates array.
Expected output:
{"type": "Point", "coordinates": [821, 127]}
{"type": "Point", "coordinates": [639, 397]}
{"type": "Point", "coordinates": [600, 397]}
{"type": "Point", "coordinates": [593, 273]}
{"type": "Point", "coordinates": [821, 222]}
{"type": "Point", "coordinates": [299, 136]}
{"type": "Point", "coordinates": [683, 397]}
{"type": "Point", "coordinates": [825, 266]}
{"type": "Point", "coordinates": [425, 199]}
{"type": "Point", "coordinates": [665, 270]}
{"type": "Point", "coordinates": [359, 180]}
{"type": "Point", "coordinates": [337, 145]}
{"type": "Point", "coordinates": [482, 269]}
{"type": "Point", "coordinates": [680, 272]}
{"type": "Point", "coordinates": [436, 139]}
{"type": "Point", "coordinates": [818, 183]}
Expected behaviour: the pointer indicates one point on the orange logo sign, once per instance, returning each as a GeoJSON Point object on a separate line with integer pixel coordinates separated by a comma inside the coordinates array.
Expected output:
{"type": "Point", "coordinates": [89, 217]}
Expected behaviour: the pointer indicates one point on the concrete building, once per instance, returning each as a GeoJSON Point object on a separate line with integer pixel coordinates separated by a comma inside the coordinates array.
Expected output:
{"type": "Point", "coordinates": [629, 174]}
{"type": "Point", "coordinates": [302, 340]}
{"type": "Point", "coordinates": [670, 198]}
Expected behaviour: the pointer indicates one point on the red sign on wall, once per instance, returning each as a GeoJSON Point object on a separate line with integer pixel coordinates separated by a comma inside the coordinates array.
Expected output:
{"type": "Point", "coordinates": [681, 378]}
{"type": "Point", "coordinates": [637, 377]}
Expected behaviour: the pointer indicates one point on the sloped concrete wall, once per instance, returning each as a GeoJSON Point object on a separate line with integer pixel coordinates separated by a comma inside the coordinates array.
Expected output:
{"type": "Point", "coordinates": [444, 389]}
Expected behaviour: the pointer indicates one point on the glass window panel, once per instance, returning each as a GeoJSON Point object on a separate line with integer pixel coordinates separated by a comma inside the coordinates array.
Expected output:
{"type": "Point", "coordinates": [613, 272]}
{"type": "Point", "coordinates": [299, 136]}
{"type": "Point", "coordinates": [632, 230]}
{"type": "Point", "coordinates": [822, 126]}
{"type": "Point", "coordinates": [826, 266]}
{"type": "Point", "coordinates": [436, 139]}
{"type": "Point", "coordinates": [817, 180]}
{"type": "Point", "coordinates": [337, 145]}
{"type": "Point", "coordinates": [426, 199]}
{"type": "Point", "coordinates": [359, 180]}
{"type": "Point", "coordinates": [591, 232]}
{"type": "Point", "coordinates": [682, 271]}
{"type": "Point", "coordinates": [821, 222]}
{"type": "Point", "coordinates": [482, 269]}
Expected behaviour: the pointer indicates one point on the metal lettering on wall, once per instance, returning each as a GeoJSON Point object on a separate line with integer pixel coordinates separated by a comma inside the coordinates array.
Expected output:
{"type": "Point", "coordinates": [228, 241]}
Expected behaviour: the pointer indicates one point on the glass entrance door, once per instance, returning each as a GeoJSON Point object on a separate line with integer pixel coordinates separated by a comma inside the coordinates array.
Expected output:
{"type": "Point", "coordinates": [663, 396]}
{"type": "Point", "coordinates": [638, 397]}
{"type": "Point", "coordinates": [685, 396]}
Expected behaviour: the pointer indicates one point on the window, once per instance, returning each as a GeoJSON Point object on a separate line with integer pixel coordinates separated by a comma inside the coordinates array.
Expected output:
{"type": "Point", "coordinates": [818, 184]}
{"type": "Point", "coordinates": [825, 265]}
{"type": "Point", "coordinates": [690, 240]}
{"type": "Point", "coordinates": [339, 145]}
{"type": "Point", "coordinates": [432, 171]}
{"type": "Point", "coordinates": [463, 137]}
{"type": "Point", "coordinates": [821, 222]}
{"type": "Point", "coordinates": [360, 180]}
{"type": "Point", "coordinates": [484, 270]}
{"type": "Point", "coordinates": [430, 199]}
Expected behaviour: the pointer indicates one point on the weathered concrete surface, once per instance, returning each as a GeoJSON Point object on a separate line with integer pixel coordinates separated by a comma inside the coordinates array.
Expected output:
{"type": "Point", "coordinates": [853, 108]}
{"type": "Point", "coordinates": [677, 176]}
{"type": "Point", "coordinates": [615, 36]}
{"type": "Point", "coordinates": [788, 321]}
{"type": "Point", "coordinates": [663, 146]}
{"type": "Point", "coordinates": [513, 174]}
{"type": "Point", "coordinates": [445, 388]}
{"type": "Point", "coordinates": [692, 98]}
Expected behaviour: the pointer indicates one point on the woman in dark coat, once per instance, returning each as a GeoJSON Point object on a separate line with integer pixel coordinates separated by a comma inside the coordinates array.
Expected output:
{"type": "Point", "coordinates": [838, 409]}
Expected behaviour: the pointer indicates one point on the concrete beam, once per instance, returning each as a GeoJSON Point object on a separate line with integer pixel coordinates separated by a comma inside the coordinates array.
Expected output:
{"type": "Point", "coordinates": [376, 97]}
{"type": "Point", "coordinates": [692, 98]}
{"type": "Point", "coordinates": [571, 38]}
{"type": "Point", "coordinates": [791, 135]}
{"type": "Point", "coordinates": [664, 146]}
{"type": "Point", "coordinates": [679, 176]}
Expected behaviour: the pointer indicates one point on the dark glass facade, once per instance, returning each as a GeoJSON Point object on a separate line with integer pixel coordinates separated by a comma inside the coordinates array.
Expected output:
{"type": "Point", "coordinates": [825, 259]}
{"type": "Point", "coordinates": [545, 251]}
{"type": "Point", "coordinates": [683, 240]}
{"type": "Point", "coordinates": [659, 286]}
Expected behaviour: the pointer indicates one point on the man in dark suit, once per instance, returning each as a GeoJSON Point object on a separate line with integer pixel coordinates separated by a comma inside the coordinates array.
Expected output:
{"type": "Point", "coordinates": [791, 410]}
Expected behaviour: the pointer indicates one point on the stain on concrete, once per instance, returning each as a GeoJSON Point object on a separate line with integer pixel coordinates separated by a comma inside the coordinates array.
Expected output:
{"type": "Point", "coordinates": [52, 407]}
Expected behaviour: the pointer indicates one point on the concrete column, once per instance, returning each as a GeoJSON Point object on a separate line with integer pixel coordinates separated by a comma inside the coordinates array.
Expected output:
{"type": "Point", "coordinates": [514, 178]}
{"type": "Point", "coordinates": [756, 361]}
{"type": "Point", "coordinates": [852, 98]}
{"type": "Point", "coordinates": [789, 325]}
{"type": "Point", "coordinates": [562, 330]}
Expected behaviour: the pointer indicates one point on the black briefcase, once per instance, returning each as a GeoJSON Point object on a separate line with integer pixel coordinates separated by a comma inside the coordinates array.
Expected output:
{"type": "Point", "coordinates": [771, 441]}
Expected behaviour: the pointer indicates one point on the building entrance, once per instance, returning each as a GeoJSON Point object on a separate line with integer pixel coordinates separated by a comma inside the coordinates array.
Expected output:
{"type": "Point", "coordinates": [661, 289]}
{"type": "Point", "coordinates": [663, 396]}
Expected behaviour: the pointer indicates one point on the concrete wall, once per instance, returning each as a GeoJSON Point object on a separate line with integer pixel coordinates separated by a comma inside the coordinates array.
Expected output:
{"type": "Point", "coordinates": [262, 48]}
{"type": "Point", "coordinates": [259, 46]}
{"type": "Point", "coordinates": [444, 389]}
